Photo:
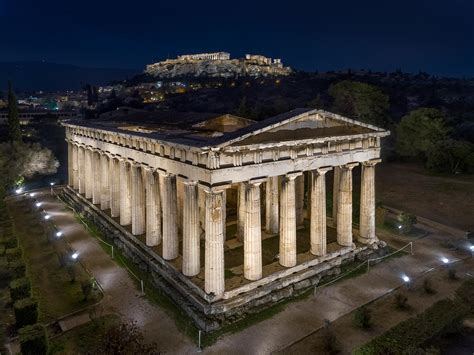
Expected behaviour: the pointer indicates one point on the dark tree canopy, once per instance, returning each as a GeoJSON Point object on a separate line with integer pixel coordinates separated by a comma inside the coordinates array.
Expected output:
{"type": "Point", "coordinates": [14, 130]}
{"type": "Point", "coordinates": [360, 101]}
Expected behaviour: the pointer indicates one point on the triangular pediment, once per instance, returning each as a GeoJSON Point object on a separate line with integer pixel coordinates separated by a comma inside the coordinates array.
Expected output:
{"type": "Point", "coordinates": [299, 124]}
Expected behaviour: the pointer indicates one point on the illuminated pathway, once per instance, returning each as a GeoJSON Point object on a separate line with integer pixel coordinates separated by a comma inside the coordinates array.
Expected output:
{"type": "Point", "coordinates": [121, 296]}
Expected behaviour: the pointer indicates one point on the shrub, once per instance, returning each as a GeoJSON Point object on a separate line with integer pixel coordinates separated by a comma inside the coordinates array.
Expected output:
{"type": "Point", "coordinates": [18, 269]}
{"type": "Point", "coordinates": [401, 301]}
{"type": "Point", "coordinates": [2, 249]}
{"type": "Point", "coordinates": [5, 273]}
{"type": "Point", "coordinates": [87, 287]}
{"type": "Point", "coordinates": [452, 274]}
{"type": "Point", "coordinates": [406, 222]}
{"type": "Point", "coordinates": [465, 293]}
{"type": "Point", "coordinates": [442, 317]}
{"type": "Point", "coordinates": [330, 342]}
{"type": "Point", "coordinates": [362, 317]}
{"type": "Point", "coordinates": [20, 288]}
{"type": "Point", "coordinates": [26, 312]}
{"type": "Point", "coordinates": [71, 270]}
{"type": "Point", "coordinates": [13, 254]}
{"type": "Point", "coordinates": [428, 287]}
{"type": "Point", "coordinates": [33, 340]}
{"type": "Point", "coordinates": [11, 243]}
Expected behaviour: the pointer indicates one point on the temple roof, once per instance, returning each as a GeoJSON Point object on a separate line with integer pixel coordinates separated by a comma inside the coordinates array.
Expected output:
{"type": "Point", "coordinates": [209, 130]}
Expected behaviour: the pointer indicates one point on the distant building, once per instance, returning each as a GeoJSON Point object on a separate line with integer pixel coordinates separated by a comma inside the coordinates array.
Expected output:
{"type": "Point", "coordinates": [26, 117]}
{"type": "Point", "coordinates": [205, 56]}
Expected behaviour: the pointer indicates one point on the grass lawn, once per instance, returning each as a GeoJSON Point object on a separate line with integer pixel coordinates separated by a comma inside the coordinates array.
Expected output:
{"type": "Point", "coordinates": [51, 283]}
{"type": "Point", "coordinates": [85, 338]}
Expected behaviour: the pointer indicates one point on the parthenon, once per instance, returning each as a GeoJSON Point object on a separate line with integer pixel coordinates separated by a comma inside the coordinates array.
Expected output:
{"type": "Point", "coordinates": [196, 196]}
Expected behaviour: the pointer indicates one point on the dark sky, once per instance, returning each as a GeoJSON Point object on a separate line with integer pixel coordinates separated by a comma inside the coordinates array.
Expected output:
{"type": "Point", "coordinates": [435, 36]}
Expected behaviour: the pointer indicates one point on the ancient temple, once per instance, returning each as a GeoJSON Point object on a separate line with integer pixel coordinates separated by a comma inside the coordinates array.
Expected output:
{"type": "Point", "coordinates": [227, 211]}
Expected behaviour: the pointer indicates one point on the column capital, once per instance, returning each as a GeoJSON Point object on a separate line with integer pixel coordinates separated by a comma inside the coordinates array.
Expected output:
{"type": "Point", "coordinates": [372, 162]}
{"type": "Point", "coordinates": [214, 189]}
{"type": "Point", "coordinates": [349, 166]}
{"type": "Point", "coordinates": [257, 181]}
{"type": "Point", "coordinates": [322, 170]}
{"type": "Point", "coordinates": [190, 182]}
{"type": "Point", "coordinates": [293, 175]}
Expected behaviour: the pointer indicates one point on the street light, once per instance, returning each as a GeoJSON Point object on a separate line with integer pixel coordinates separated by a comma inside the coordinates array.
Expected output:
{"type": "Point", "coordinates": [38, 204]}
{"type": "Point", "coordinates": [74, 255]}
{"type": "Point", "coordinates": [445, 260]}
{"type": "Point", "coordinates": [47, 217]}
{"type": "Point", "coordinates": [51, 184]}
{"type": "Point", "coordinates": [19, 190]}
{"type": "Point", "coordinates": [59, 234]}
{"type": "Point", "coordinates": [471, 248]}
{"type": "Point", "coordinates": [406, 280]}
{"type": "Point", "coordinates": [32, 194]}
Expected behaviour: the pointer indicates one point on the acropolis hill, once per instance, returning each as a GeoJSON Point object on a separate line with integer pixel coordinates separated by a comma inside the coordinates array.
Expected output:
{"type": "Point", "coordinates": [217, 64]}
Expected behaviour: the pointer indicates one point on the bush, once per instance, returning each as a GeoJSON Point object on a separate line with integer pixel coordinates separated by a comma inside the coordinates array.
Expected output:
{"type": "Point", "coordinates": [2, 249]}
{"type": "Point", "coordinates": [330, 342]}
{"type": "Point", "coordinates": [401, 301]}
{"type": "Point", "coordinates": [33, 340]}
{"type": "Point", "coordinates": [362, 318]}
{"type": "Point", "coordinates": [87, 287]}
{"type": "Point", "coordinates": [442, 317]}
{"type": "Point", "coordinates": [20, 288]}
{"type": "Point", "coordinates": [11, 243]}
{"type": "Point", "coordinates": [452, 274]}
{"type": "Point", "coordinates": [18, 269]}
{"type": "Point", "coordinates": [465, 293]}
{"type": "Point", "coordinates": [26, 312]}
{"type": "Point", "coordinates": [5, 273]}
{"type": "Point", "coordinates": [406, 222]}
{"type": "Point", "coordinates": [428, 287]}
{"type": "Point", "coordinates": [13, 254]}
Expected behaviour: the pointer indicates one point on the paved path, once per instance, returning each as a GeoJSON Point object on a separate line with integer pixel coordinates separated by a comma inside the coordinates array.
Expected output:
{"type": "Point", "coordinates": [120, 293]}
{"type": "Point", "coordinates": [296, 321]}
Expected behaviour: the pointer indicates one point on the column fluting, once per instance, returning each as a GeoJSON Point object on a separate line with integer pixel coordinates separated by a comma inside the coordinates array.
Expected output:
{"type": "Point", "coordinates": [191, 249]}
{"type": "Point", "coordinates": [153, 208]}
{"type": "Point", "coordinates": [367, 203]}
{"type": "Point", "coordinates": [318, 212]}
{"type": "Point", "coordinates": [344, 212]}
{"type": "Point", "coordinates": [272, 205]}
{"type": "Point", "coordinates": [170, 216]}
{"type": "Point", "coordinates": [252, 233]}
{"type": "Point", "coordinates": [104, 182]}
{"type": "Point", "coordinates": [114, 186]}
{"type": "Point", "coordinates": [96, 181]}
{"type": "Point", "coordinates": [138, 200]}
{"type": "Point", "coordinates": [287, 221]}
{"type": "Point", "coordinates": [125, 193]}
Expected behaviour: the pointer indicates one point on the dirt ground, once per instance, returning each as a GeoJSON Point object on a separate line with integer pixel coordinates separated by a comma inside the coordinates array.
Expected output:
{"type": "Point", "coordinates": [444, 199]}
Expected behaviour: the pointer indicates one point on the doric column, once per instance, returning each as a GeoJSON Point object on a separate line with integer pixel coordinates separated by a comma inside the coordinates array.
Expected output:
{"type": "Point", "coordinates": [153, 208]}
{"type": "Point", "coordinates": [214, 281]}
{"type": "Point", "coordinates": [318, 211]}
{"type": "Point", "coordinates": [125, 193]}
{"type": "Point", "coordinates": [252, 233]}
{"type": "Point", "coordinates": [367, 202]}
{"type": "Point", "coordinates": [75, 166]}
{"type": "Point", "coordinates": [114, 186]}
{"type": "Point", "coordinates": [70, 169]}
{"type": "Point", "coordinates": [335, 193]}
{"type": "Point", "coordinates": [138, 200]}
{"type": "Point", "coordinates": [344, 211]}
{"type": "Point", "coordinates": [179, 202]}
{"type": "Point", "coordinates": [241, 212]}
{"type": "Point", "coordinates": [96, 181]}
{"type": "Point", "coordinates": [82, 170]}
{"type": "Point", "coordinates": [88, 175]}
{"type": "Point", "coordinates": [288, 221]}
{"type": "Point", "coordinates": [104, 182]}
{"type": "Point", "coordinates": [191, 251]}
{"type": "Point", "coordinates": [271, 205]}
{"type": "Point", "coordinates": [299, 200]}
{"type": "Point", "coordinates": [170, 216]}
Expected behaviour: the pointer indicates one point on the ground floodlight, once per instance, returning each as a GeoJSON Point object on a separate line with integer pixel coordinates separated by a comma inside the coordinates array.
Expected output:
{"type": "Point", "coordinates": [51, 183]}
{"type": "Point", "coordinates": [405, 278]}
{"type": "Point", "coordinates": [471, 248]}
{"type": "Point", "coordinates": [74, 255]}
{"type": "Point", "coordinates": [445, 260]}
{"type": "Point", "coordinates": [47, 217]}
{"type": "Point", "coordinates": [38, 204]}
{"type": "Point", "coordinates": [59, 234]}
{"type": "Point", "coordinates": [19, 191]}
{"type": "Point", "coordinates": [32, 194]}
{"type": "Point", "coordinates": [400, 226]}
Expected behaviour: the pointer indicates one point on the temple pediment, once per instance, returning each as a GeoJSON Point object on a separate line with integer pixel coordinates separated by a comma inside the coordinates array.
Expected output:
{"type": "Point", "coordinates": [300, 124]}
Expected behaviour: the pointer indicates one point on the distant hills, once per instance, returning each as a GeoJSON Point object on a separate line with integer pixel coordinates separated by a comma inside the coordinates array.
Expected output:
{"type": "Point", "coordinates": [34, 76]}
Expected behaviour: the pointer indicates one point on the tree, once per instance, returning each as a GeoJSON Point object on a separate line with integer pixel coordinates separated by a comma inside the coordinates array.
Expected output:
{"type": "Point", "coordinates": [420, 131]}
{"type": "Point", "coordinates": [451, 156]}
{"type": "Point", "coordinates": [125, 338]}
{"type": "Point", "coordinates": [20, 160]}
{"type": "Point", "coordinates": [360, 101]}
{"type": "Point", "coordinates": [14, 130]}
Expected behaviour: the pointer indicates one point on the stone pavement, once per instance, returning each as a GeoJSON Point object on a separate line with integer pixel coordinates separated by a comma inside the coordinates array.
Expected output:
{"type": "Point", "coordinates": [121, 296]}
{"type": "Point", "coordinates": [297, 321]}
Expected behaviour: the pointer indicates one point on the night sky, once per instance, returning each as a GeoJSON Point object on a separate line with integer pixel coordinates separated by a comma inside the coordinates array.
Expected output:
{"type": "Point", "coordinates": [436, 36]}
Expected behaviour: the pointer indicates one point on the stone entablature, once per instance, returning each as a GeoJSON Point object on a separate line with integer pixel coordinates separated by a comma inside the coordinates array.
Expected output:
{"type": "Point", "coordinates": [173, 188]}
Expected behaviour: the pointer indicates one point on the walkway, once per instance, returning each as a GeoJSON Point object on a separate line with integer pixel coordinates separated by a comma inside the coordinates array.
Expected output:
{"type": "Point", "coordinates": [121, 296]}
